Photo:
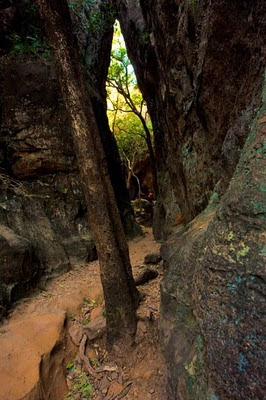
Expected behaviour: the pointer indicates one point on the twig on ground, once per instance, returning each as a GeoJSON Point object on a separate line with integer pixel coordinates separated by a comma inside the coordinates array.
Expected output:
{"type": "Point", "coordinates": [123, 392]}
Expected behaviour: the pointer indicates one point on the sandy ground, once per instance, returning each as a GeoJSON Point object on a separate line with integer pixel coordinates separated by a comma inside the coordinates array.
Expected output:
{"type": "Point", "coordinates": [36, 324]}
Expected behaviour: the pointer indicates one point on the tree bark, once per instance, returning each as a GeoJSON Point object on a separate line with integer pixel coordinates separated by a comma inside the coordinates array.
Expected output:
{"type": "Point", "coordinates": [120, 293]}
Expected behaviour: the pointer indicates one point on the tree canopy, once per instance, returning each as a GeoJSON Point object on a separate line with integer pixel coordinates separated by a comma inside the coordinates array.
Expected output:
{"type": "Point", "coordinates": [125, 101]}
{"type": "Point", "coordinates": [127, 110]}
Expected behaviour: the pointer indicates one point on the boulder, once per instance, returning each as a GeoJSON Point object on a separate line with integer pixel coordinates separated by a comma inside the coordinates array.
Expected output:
{"type": "Point", "coordinates": [152, 258]}
{"type": "Point", "coordinates": [32, 353]}
{"type": "Point", "coordinates": [146, 275]}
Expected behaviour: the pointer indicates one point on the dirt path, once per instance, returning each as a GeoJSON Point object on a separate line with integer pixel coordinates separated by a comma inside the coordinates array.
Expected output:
{"type": "Point", "coordinates": [36, 347]}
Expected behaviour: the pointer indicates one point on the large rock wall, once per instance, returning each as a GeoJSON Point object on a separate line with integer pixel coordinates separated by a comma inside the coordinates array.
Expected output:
{"type": "Point", "coordinates": [180, 334]}
{"type": "Point", "coordinates": [41, 198]}
{"type": "Point", "coordinates": [34, 122]}
{"type": "Point", "coordinates": [213, 293]}
{"type": "Point", "coordinates": [199, 65]}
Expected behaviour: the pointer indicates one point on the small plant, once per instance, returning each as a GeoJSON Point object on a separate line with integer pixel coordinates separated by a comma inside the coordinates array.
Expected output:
{"type": "Point", "coordinates": [194, 4]}
{"type": "Point", "coordinates": [31, 44]}
{"type": "Point", "coordinates": [81, 385]}
{"type": "Point", "coordinates": [71, 366]}
{"type": "Point", "coordinates": [92, 302]}
{"type": "Point", "coordinates": [91, 16]}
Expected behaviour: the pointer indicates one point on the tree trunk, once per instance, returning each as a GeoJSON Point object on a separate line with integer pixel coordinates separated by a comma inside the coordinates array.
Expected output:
{"type": "Point", "coordinates": [120, 293]}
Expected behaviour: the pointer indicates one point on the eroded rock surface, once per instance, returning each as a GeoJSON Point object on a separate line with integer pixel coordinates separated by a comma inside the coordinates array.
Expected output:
{"type": "Point", "coordinates": [213, 292]}
{"type": "Point", "coordinates": [31, 354]}
{"type": "Point", "coordinates": [19, 268]}
{"type": "Point", "coordinates": [41, 197]}
{"type": "Point", "coordinates": [181, 337]}
{"type": "Point", "coordinates": [231, 281]}
{"type": "Point", "coordinates": [199, 66]}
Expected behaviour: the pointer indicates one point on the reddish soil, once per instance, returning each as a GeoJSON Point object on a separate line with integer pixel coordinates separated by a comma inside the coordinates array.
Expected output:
{"type": "Point", "coordinates": [36, 346]}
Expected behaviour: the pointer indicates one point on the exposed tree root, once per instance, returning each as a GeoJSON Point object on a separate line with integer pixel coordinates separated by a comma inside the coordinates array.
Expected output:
{"type": "Point", "coordinates": [84, 358]}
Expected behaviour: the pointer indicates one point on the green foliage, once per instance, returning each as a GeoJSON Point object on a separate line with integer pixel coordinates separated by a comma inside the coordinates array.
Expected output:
{"type": "Point", "coordinates": [126, 126]}
{"type": "Point", "coordinates": [92, 17]}
{"type": "Point", "coordinates": [29, 38]}
{"type": "Point", "coordinates": [120, 72]}
{"type": "Point", "coordinates": [71, 366]}
{"type": "Point", "coordinates": [81, 387]}
{"type": "Point", "coordinates": [194, 4]}
{"type": "Point", "coordinates": [78, 4]}
{"type": "Point", "coordinates": [125, 102]}
{"type": "Point", "coordinates": [29, 45]}
{"type": "Point", "coordinates": [129, 135]}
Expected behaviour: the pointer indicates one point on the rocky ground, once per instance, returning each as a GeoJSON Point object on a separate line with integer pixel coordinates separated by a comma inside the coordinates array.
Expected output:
{"type": "Point", "coordinates": [53, 343]}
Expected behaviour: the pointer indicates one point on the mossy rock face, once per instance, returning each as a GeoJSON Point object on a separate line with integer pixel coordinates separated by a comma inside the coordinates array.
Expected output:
{"type": "Point", "coordinates": [231, 278]}
{"type": "Point", "coordinates": [181, 338]}
{"type": "Point", "coordinates": [213, 292]}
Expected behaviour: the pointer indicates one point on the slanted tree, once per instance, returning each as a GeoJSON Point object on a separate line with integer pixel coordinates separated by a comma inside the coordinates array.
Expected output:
{"type": "Point", "coordinates": [122, 79]}
{"type": "Point", "coordinates": [120, 293]}
{"type": "Point", "coordinates": [126, 127]}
